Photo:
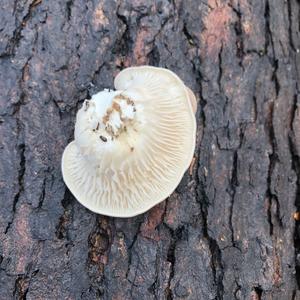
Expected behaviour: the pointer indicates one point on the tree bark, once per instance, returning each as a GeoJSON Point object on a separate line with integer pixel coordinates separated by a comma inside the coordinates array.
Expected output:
{"type": "Point", "coordinates": [231, 229]}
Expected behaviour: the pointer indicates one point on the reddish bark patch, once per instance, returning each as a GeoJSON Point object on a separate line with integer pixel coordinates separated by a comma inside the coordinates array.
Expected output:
{"type": "Point", "coordinates": [154, 218]}
{"type": "Point", "coordinates": [217, 28]}
{"type": "Point", "coordinates": [23, 240]}
{"type": "Point", "coordinates": [141, 49]}
{"type": "Point", "coordinates": [172, 213]}
{"type": "Point", "coordinates": [99, 18]}
{"type": "Point", "coordinates": [20, 242]}
{"type": "Point", "coordinates": [277, 271]}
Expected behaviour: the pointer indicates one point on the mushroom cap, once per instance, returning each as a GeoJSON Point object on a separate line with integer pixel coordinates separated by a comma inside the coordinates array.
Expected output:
{"type": "Point", "coordinates": [137, 153]}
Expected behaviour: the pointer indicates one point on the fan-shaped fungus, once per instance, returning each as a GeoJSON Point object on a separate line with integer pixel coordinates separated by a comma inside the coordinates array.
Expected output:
{"type": "Point", "coordinates": [133, 145]}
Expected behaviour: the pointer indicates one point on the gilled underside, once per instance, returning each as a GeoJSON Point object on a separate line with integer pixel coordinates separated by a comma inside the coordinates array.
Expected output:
{"type": "Point", "coordinates": [131, 146]}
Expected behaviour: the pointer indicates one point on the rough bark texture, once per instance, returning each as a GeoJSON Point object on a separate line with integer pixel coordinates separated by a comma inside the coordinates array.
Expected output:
{"type": "Point", "coordinates": [230, 229]}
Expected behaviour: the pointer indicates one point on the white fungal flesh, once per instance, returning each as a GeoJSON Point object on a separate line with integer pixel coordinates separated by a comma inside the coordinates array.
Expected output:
{"type": "Point", "coordinates": [132, 146]}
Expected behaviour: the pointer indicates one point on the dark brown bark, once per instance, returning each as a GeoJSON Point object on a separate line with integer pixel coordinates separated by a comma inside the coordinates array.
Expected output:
{"type": "Point", "coordinates": [229, 229]}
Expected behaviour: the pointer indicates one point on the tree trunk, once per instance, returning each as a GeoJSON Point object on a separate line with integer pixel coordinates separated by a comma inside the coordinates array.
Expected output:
{"type": "Point", "coordinates": [231, 229]}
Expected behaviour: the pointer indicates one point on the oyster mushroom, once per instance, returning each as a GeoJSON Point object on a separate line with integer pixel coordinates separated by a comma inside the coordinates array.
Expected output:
{"type": "Point", "coordinates": [133, 145]}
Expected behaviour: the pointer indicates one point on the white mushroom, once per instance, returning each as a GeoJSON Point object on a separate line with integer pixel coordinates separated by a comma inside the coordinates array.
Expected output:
{"type": "Point", "coordinates": [133, 145]}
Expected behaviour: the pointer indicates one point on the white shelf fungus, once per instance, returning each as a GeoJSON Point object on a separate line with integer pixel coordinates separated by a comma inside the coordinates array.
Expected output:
{"type": "Point", "coordinates": [133, 145]}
